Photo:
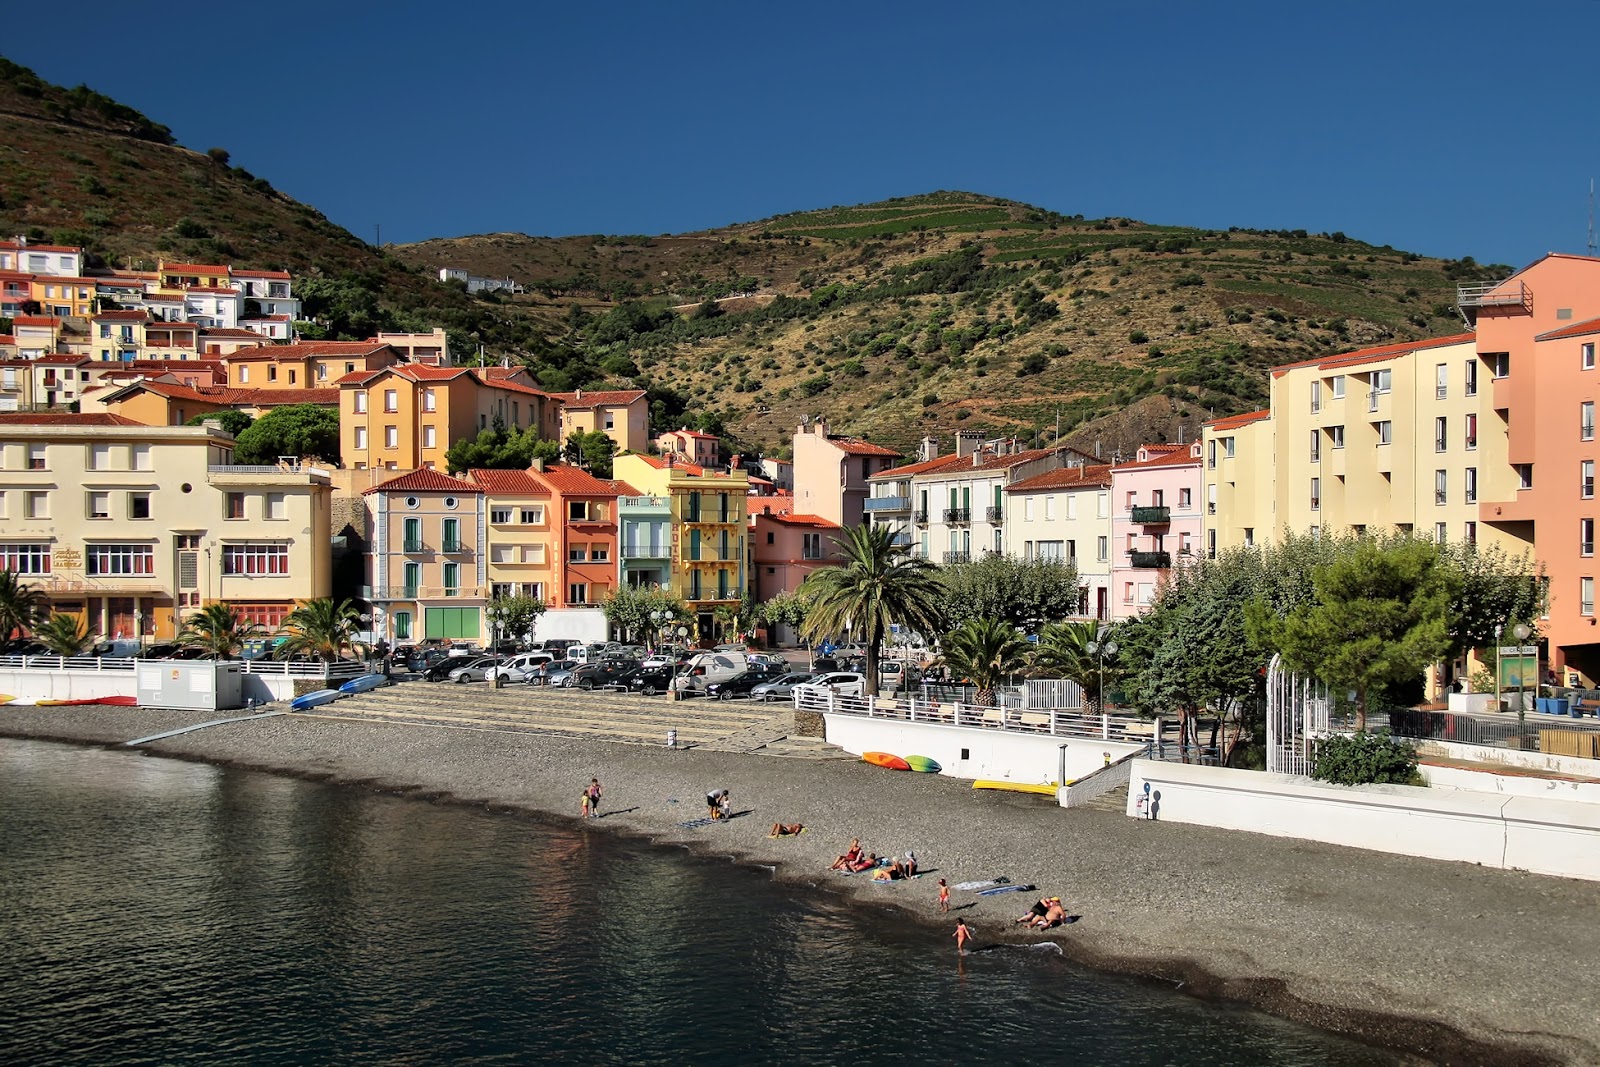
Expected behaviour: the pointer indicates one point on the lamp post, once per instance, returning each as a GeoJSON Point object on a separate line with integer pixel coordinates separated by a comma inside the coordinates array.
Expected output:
{"type": "Point", "coordinates": [1499, 629]}
{"type": "Point", "coordinates": [138, 626]}
{"type": "Point", "coordinates": [1521, 632]}
{"type": "Point", "coordinates": [1100, 648]}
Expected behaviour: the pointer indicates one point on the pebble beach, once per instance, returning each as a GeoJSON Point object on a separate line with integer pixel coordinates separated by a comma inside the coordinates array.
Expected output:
{"type": "Point", "coordinates": [1451, 963]}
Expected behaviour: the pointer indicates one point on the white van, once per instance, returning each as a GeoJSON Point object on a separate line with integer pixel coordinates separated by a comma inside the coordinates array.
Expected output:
{"type": "Point", "coordinates": [708, 667]}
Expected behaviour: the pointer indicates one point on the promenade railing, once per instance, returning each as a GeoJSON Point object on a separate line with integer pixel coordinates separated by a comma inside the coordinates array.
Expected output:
{"type": "Point", "coordinates": [917, 707]}
{"type": "Point", "coordinates": [290, 668]}
{"type": "Point", "coordinates": [1496, 731]}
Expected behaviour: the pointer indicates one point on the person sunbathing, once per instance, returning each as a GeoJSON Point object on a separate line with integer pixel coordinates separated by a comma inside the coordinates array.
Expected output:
{"type": "Point", "coordinates": [787, 829]}
{"type": "Point", "coordinates": [1037, 912]}
{"type": "Point", "coordinates": [850, 856]}
{"type": "Point", "coordinates": [1054, 915]}
{"type": "Point", "coordinates": [865, 863]}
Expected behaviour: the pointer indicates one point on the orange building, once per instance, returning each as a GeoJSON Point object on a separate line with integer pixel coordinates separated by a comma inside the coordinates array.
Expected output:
{"type": "Point", "coordinates": [586, 544]}
{"type": "Point", "coordinates": [308, 364]}
{"type": "Point", "coordinates": [406, 417]}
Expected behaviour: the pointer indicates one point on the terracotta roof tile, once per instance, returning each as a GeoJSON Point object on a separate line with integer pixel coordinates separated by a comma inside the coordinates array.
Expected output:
{"type": "Point", "coordinates": [36, 320]}
{"type": "Point", "coordinates": [309, 350]}
{"type": "Point", "coordinates": [575, 481]}
{"type": "Point", "coordinates": [1234, 421]}
{"type": "Point", "coordinates": [119, 316]}
{"type": "Point", "coordinates": [1182, 457]}
{"type": "Point", "coordinates": [60, 418]}
{"type": "Point", "coordinates": [424, 481]}
{"type": "Point", "coordinates": [926, 466]}
{"type": "Point", "coordinates": [788, 519]}
{"type": "Point", "coordinates": [855, 446]}
{"type": "Point", "coordinates": [194, 268]}
{"type": "Point", "coordinates": [1367, 355]}
{"type": "Point", "coordinates": [508, 482]}
{"type": "Point", "coordinates": [1577, 329]}
{"type": "Point", "coordinates": [281, 275]}
{"type": "Point", "coordinates": [1097, 474]}
{"type": "Point", "coordinates": [604, 396]}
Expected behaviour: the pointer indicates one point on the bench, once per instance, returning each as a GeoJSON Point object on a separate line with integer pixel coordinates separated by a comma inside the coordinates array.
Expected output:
{"type": "Point", "coordinates": [994, 717]}
{"type": "Point", "coordinates": [1034, 720]}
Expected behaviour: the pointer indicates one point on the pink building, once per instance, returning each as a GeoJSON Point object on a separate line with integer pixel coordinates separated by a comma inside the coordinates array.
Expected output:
{"type": "Point", "coordinates": [1155, 516]}
{"type": "Point", "coordinates": [692, 445]}
{"type": "Point", "coordinates": [785, 548]}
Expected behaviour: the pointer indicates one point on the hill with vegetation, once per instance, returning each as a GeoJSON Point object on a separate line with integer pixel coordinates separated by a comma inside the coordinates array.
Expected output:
{"type": "Point", "coordinates": [921, 314]}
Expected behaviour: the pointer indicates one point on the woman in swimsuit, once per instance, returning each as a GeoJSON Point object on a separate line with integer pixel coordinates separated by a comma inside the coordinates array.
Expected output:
{"type": "Point", "coordinates": [852, 854]}
{"type": "Point", "coordinates": [594, 792]}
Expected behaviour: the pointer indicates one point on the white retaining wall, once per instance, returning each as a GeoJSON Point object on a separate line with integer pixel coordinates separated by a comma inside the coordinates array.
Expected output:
{"type": "Point", "coordinates": [31, 686]}
{"type": "Point", "coordinates": [1556, 837]}
{"type": "Point", "coordinates": [998, 754]}
{"type": "Point", "coordinates": [1511, 785]}
{"type": "Point", "coordinates": [1511, 757]}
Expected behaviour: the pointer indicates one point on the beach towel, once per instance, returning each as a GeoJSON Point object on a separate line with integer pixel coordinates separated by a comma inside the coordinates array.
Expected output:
{"type": "Point", "coordinates": [695, 824]}
{"type": "Point", "coordinates": [1006, 889]}
{"type": "Point", "coordinates": [987, 883]}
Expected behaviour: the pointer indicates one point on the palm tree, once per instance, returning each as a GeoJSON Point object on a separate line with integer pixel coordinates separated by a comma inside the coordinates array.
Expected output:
{"type": "Point", "coordinates": [65, 635]}
{"type": "Point", "coordinates": [1063, 652]}
{"type": "Point", "coordinates": [986, 652]}
{"type": "Point", "coordinates": [878, 583]}
{"type": "Point", "coordinates": [217, 629]}
{"type": "Point", "coordinates": [322, 628]}
{"type": "Point", "coordinates": [21, 606]}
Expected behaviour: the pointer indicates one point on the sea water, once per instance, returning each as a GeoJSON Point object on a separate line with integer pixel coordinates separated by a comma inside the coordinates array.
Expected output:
{"type": "Point", "coordinates": [154, 911]}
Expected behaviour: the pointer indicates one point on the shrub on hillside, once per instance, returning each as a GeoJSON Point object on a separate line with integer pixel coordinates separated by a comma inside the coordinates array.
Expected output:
{"type": "Point", "coordinates": [1365, 759]}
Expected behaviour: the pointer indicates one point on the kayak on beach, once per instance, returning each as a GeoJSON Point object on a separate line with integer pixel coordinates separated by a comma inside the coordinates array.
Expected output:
{"type": "Point", "coordinates": [886, 760]}
{"type": "Point", "coordinates": [124, 702]}
{"type": "Point", "coordinates": [925, 764]}
{"type": "Point", "coordinates": [364, 683]}
{"type": "Point", "coordinates": [1045, 788]}
{"type": "Point", "coordinates": [316, 699]}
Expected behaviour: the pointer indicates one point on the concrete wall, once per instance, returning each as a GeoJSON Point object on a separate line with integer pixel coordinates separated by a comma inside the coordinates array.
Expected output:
{"type": "Point", "coordinates": [1511, 785]}
{"type": "Point", "coordinates": [1556, 837]}
{"type": "Point", "coordinates": [1511, 757]}
{"type": "Point", "coordinates": [32, 686]}
{"type": "Point", "coordinates": [995, 754]}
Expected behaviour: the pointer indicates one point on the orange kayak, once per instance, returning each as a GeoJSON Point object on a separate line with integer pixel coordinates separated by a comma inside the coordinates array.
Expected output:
{"type": "Point", "coordinates": [884, 759]}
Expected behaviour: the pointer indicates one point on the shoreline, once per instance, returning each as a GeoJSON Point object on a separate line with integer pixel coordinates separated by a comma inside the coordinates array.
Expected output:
{"type": "Point", "coordinates": [1451, 963]}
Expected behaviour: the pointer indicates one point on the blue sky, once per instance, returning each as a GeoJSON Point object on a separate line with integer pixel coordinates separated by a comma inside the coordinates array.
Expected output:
{"type": "Point", "coordinates": [1447, 129]}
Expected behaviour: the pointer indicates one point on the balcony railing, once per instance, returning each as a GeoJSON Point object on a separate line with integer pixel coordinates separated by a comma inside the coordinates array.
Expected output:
{"type": "Point", "coordinates": [886, 503]}
{"type": "Point", "coordinates": [646, 551]}
{"type": "Point", "coordinates": [1150, 560]}
{"type": "Point", "coordinates": [958, 557]}
{"type": "Point", "coordinates": [994, 514]}
{"type": "Point", "coordinates": [394, 592]}
{"type": "Point", "coordinates": [957, 515]}
{"type": "Point", "coordinates": [1152, 516]}
{"type": "Point", "coordinates": [1502, 294]}
{"type": "Point", "coordinates": [449, 545]}
{"type": "Point", "coordinates": [920, 518]}
{"type": "Point", "coordinates": [413, 546]}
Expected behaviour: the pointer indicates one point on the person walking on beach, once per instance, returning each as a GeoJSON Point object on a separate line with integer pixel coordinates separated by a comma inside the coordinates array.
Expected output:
{"type": "Point", "coordinates": [585, 803]}
{"type": "Point", "coordinates": [944, 897]}
{"type": "Point", "coordinates": [962, 936]}
{"type": "Point", "coordinates": [594, 792]}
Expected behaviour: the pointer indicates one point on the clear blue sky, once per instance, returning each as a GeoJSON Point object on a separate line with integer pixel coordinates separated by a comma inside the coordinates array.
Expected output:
{"type": "Point", "coordinates": [1447, 129]}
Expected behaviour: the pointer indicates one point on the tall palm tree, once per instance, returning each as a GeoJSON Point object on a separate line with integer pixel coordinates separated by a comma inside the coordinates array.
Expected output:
{"type": "Point", "coordinates": [878, 583]}
{"type": "Point", "coordinates": [218, 630]}
{"type": "Point", "coordinates": [21, 605]}
{"type": "Point", "coordinates": [1063, 652]}
{"type": "Point", "coordinates": [65, 635]}
{"type": "Point", "coordinates": [322, 628]}
{"type": "Point", "coordinates": [986, 652]}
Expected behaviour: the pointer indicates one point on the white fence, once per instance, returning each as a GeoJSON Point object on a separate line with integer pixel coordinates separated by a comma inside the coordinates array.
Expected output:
{"type": "Point", "coordinates": [1060, 722]}
{"type": "Point", "coordinates": [289, 668]}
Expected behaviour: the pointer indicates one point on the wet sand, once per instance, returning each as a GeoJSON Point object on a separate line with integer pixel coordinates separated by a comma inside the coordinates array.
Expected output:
{"type": "Point", "coordinates": [1454, 963]}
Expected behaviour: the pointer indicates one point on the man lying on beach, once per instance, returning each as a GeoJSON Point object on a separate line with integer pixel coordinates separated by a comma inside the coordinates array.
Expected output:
{"type": "Point", "coordinates": [864, 863]}
{"type": "Point", "coordinates": [787, 829]}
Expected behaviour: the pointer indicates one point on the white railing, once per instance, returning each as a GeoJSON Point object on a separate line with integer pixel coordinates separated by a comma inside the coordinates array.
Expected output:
{"type": "Point", "coordinates": [67, 663]}
{"type": "Point", "coordinates": [1059, 722]}
{"type": "Point", "coordinates": [302, 669]}
{"type": "Point", "coordinates": [291, 668]}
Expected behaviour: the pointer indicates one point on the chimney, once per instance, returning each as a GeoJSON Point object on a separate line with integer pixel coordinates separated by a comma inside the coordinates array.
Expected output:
{"type": "Point", "coordinates": [929, 449]}
{"type": "Point", "coordinates": [820, 427]}
{"type": "Point", "coordinates": [577, 394]}
{"type": "Point", "coordinates": [538, 464]}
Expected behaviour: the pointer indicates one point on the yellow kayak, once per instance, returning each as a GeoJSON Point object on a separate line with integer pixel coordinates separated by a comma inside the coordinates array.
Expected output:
{"type": "Point", "coordinates": [6, 698]}
{"type": "Point", "coordinates": [1046, 788]}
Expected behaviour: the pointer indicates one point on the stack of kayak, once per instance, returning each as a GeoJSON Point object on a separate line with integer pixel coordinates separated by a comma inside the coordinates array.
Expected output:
{"type": "Point", "coordinates": [895, 763]}
{"type": "Point", "coordinates": [328, 696]}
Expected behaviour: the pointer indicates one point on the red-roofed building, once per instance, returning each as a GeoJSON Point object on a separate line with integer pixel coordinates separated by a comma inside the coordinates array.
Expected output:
{"type": "Point", "coordinates": [523, 535]}
{"type": "Point", "coordinates": [1155, 517]}
{"type": "Point", "coordinates": [307, 363]}
{"type": "Point", "coordinates": [585, 548]}
{"type": "Point", "coordinates": [29, 258]}
{"type": "Point", "coordinates": [1064, 515]}
{"type": "Point", "coordinates": [427, 571]}
{"type": "Point", "coordinates": [786, 547]}
{"type": "Point", "coordinates": [832, 473]}
{"type": "Point", "coordinates": [699, 448]}
{"type": "Point", "coordinates": [621, 414]}
{"type": "Point", "coordinates": [164, 400]}
{"type": "Point", "coordinates": [64, 296]}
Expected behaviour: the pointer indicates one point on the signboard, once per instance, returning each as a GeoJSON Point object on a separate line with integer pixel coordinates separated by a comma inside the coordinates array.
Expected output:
{"type": "Point", "coordinates": [1519, 667]}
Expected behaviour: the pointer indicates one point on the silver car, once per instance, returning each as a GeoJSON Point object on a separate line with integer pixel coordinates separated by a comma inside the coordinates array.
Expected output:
{"type": "Point", "coordinates": [782, 687]}
{"type": "Point", "coordinates": [476, 671]}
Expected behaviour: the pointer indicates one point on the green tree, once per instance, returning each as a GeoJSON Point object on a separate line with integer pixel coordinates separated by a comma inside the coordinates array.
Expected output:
{"type": "Point", "coordinates": [292, 430]}
{"type": "Point", "coordinates": [1026, 594]}
{"type": "Point", "coordinates": [21, 605]}
{"type": "Point", "coordinates": [234, 422]}
{"type": "Point", "coordinates": [65, 635]}
{"type": "Point", "coordinates": [498, 448]}
{"type": "Point", "coordinates": [784, 609]}
{"type": "Point", "coordinates": [591, 450]}
{"type": "Point", "coordinates": [877, 584]}
{"type": "Point", "coordinates": [1497, 589]}
{"type": "Point", "coordinates": [1063, 652]}
{"type": "Point", "coordinates": [322, 628]}
{"type": "Point", "coordinates": [1362, 759]}
{"type": "Point", "coordinates": [521, 615]}
{"type": "Point", "coordinates": [1382, 615]}
{"type": "Point", "coordinates": [986, 652]}
{"type": "Point", "coordinates": [629, 607]}
{"type": "Point", "coordinates": [217, 629]}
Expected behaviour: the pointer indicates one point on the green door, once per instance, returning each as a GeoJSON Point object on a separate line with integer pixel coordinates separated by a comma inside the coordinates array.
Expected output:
{"type": "Point", "coordinates": [448, 623]}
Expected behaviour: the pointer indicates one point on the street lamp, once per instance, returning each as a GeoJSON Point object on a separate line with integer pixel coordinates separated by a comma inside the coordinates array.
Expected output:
{"type": "Point", "coordinates": [1101, 647]}
{"type": "Point", "coordinates": [497, 618]}
{"type": "Point", "coordinates": [1521, 632]}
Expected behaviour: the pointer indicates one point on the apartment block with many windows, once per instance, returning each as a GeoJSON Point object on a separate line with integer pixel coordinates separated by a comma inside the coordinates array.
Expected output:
{"type": "Point", "coordinates": [1065, 515]}
{"type": "Point", "coordinates": [1155, 519]}
{"type": "Point", "coordinates": [428, 566]}
{"type": "Point", "coordinates": [134, 527]}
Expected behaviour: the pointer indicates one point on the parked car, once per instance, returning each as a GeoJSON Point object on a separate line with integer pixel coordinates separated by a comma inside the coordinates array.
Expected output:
{"type": "Point", "coordinates": [465, 649]}
{"type": "Point", "coordinates": [601, 675]}
{"type": "Point", "coordinates": [422, 660]}
{"type": "Point", "coordinates": [517, 668]}
{"type": "Point", "coordinates": [781, 687]}
{"type": "Point", "coordinates": [708, 667]}
{"type": "Point", "coordinates": [556, 672]}
{"type": "Point", "coordinates": [648, 681]}
{"type": "Point", "coordinates": [475, 671]}
{"type": "Point", "coordinates": [844, 683]}
{"type": "Point", "coordinates": [741, 684]}
{"type": "Point", "coordinates": [899, 674]}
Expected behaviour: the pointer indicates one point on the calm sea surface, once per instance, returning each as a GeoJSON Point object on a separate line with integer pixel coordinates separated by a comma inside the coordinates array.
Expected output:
{"type": "Point", "coordinates": [161, 912]}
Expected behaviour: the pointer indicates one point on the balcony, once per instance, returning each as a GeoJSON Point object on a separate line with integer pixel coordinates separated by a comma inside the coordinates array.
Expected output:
{"type": "Point", "coordinates": [886, 503]}
{"type": "Point", "coordinates": [1149, 560]}
{"type": "Point", "coordinates": [994, 514]}
{"type": "Point", "coordinates": [1513, 297]}
{"type": "Point", "coordinates": [1159, 515]}
{"type": "Point", "coordinates": [958, 557]}
{"type": "Point", "coordinates": [957, 516]}
{"type": "Point", "coordinates": [646, 551]}
{"type": "Point", "coordinates": [393, 592]}
{"type": "Point", "coordinates": [920, 518]}
{"type": "Point", "coordinates": [450, 545]}
{"type": "Point", "coordinates": [413, 546]}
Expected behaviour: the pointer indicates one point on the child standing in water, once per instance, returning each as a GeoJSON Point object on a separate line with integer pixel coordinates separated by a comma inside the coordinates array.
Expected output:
{"type": "Point", "coordinates": [962, 936]}
{"type": "Point", "coordinates": [944, 896]}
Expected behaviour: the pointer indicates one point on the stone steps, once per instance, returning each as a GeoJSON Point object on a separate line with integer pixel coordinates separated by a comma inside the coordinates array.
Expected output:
{"type": "Point", "coordinates": [1116, 800]}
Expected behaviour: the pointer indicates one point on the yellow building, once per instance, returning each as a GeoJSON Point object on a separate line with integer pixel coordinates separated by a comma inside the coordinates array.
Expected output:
{"type": "Point", "coordinates": [1395, 438]}
{"type": "Point", "coordinates": [180, 276]}
{"type": "Point", "coordinates": [621, 414]}
{"type": "Point", "coordinates": [64, 297]}
{"type": "Point", "coordinates": [307, 365]}
{"type": "Point", "coordinates": [160, 339]}
{"type": "Point", "coordinates": [406, 417]}
{"type": "Point", "coordinates": [88, 519]}
{"type": "Point", "coordinates": [710, 516]}
{"type": "Point", "coordinates": [522, 537]}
